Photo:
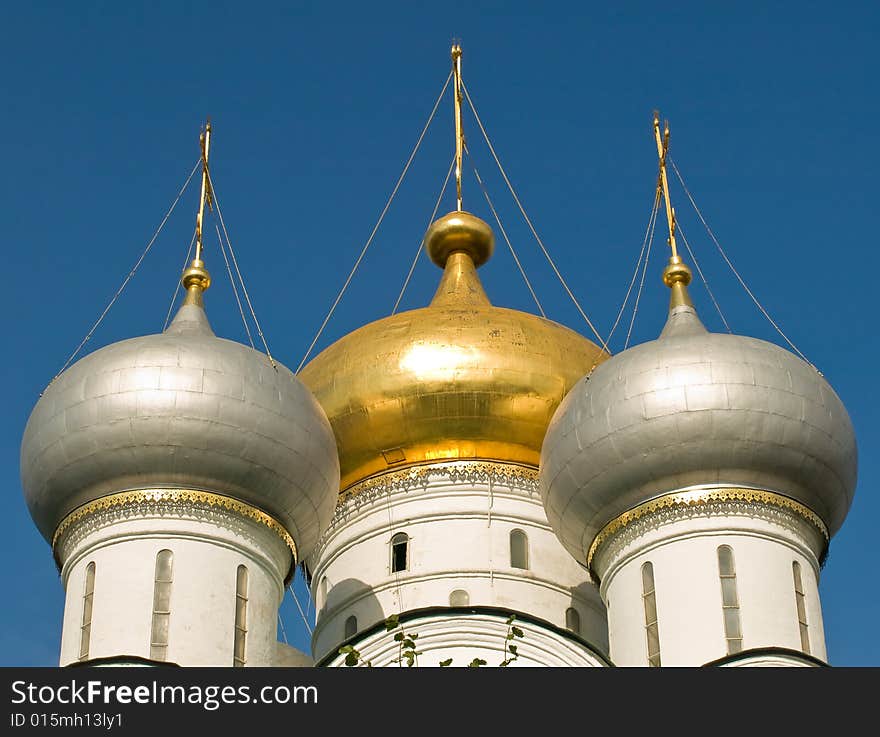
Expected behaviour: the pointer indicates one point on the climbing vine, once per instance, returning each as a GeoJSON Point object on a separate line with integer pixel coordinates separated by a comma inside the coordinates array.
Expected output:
{"type": "Point", "coordinates": [408, 654]}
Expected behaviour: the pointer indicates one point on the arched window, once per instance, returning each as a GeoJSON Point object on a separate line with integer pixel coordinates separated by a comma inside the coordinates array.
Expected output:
{"type": "Point", "coordinates": [161, 605]}
{"type": "Point", "coordinates": [800, 600]}
{"type": "Point", "coordinates": [652, 630]}
{"type": "Point", "coordinates": [399, 552]}
{"type": "Point", "coordinates": [519, 549]}
{"type": "Point", "coordinates": [85, 632]}
{"type": "Point", "coordinates": [729, 599]}
{"type": "Point", "coordinates": [351, 627]}
{"type": "Point", "coordinates": [459, 597]}
{"type": "Point", "coordinates": [239, 646]}
{"type": "Point", "coordinates": [324, 589]}
{"type": "Point", "coordinates": [573, 620]}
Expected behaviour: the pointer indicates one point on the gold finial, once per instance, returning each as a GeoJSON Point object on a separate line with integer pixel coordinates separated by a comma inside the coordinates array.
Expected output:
{"type": "Point", "coordinates": [196, 278]}
{"type": "Point", "coordinates": [459, 134]}
{"type": "Point", "coordinates": [459, 231]}
{"type": "Point", "coordinates": [676, 275]}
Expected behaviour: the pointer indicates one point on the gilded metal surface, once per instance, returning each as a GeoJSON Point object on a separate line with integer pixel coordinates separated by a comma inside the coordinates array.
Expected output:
{"type": "Point", "coordinates": [677, 275]}
{"type": "Point", "coordinates": [162, 497]}
{"type": "Point", "coordinates": [205, 195]}
{"type": "Point", "coordinates": [690, 409]}
{"type": "Point", "coordinates": [662, 150]}
{"type": "Point", "coordinates": [195, 280]}
{"type": "Point", "coordinates": [703, 497]}
{"type": "Point", "coordinates": [459, 134]}
{"type": "Point", "coordinates": [459, 379]}
{"type": "Point", "coordinates": [182, 409]}
{"type": "Point", "coordinates": [459, 231]}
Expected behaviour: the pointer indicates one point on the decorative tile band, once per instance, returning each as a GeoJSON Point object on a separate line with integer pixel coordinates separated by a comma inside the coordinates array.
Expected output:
{"type": "Point", "coordinates": [481, 471]}
{"type": "Point", "coordinates": [407, 479]}
{"type": "Point", "coordinates": [167, 497]}
{"type": "Point", "coordinates": [703, 498]}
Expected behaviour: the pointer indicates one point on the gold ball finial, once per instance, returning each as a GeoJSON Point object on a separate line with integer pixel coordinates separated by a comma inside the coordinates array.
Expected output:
{"type": "Point", "coordinates": [459, 231]}
{"type": "Point", "coordinates": [676, 272]}
{"type": "Point", "coordinates": [196, 275]}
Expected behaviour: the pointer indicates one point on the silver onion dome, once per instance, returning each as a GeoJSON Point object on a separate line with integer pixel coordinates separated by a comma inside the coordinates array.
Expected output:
{"type": "Point", "coordinates": [694, 408]}
{"type": "Point", "coordinates": [182, 409]}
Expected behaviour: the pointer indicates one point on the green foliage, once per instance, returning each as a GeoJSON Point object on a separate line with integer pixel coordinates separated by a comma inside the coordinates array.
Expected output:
{"type": "Point", "coordinates": [407, 652]}
{"type": "Point", "coordinates": [511, 652]}
{"type": "Point", "coordinates": [353, 657]}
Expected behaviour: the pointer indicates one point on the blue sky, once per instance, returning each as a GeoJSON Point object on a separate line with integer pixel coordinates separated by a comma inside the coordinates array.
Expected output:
{"type": "Point", "coordinates": [315, 106]}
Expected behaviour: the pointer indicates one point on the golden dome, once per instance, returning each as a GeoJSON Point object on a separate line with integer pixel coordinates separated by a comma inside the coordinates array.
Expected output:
{"type": "Point", "coordinates": [459, 379]}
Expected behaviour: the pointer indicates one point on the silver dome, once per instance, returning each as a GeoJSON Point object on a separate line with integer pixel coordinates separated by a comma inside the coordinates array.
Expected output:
{"type": "Point", "coordinates": [182, 409]}
{"type": "Point", "coordinates": [694, 408]}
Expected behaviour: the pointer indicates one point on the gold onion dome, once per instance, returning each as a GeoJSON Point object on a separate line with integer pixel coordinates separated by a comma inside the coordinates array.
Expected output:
{"type": "Point", "coordinates": [458, 379]}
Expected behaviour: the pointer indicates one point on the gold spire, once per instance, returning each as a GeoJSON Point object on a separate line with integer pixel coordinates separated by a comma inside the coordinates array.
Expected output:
{"type": "Point", "coordinates": [676, 275]}
{"type": "Point", "coordinates": [459, 242]}
{"type": "Point", "coordinates": [459, 133]}
{"type": "Point", "coordinates": [196, 278]}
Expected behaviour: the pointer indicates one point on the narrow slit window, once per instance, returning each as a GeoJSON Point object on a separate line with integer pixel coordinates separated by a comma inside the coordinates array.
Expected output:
{"type": "Point", "coordinates": [573, 620]}
{"type": "Point", "coordinates": [399, 552]}
{"type": "Point", "coordinates": [85, 632]}
{"type": "Point", "coordinates": [652, 630]}
{"type": "Point", "coordinates": [161, 605]}
{"type": "Point", "coordinates": [729, 600]}
{"type": "Point", "coordinates": [459, 597]}
{"type": "Point", "coordinates": [801, 602]}
{"type": "Point", "coordinates": [324, 589]}
{"type": "Point", "coordinates": [351, 627]}
{"type": "Point", "coordinates": [519, 550]}
{"type": "Point", "coordinates": [239, 648]}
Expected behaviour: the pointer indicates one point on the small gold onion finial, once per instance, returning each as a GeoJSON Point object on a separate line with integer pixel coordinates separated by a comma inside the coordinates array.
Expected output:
{"type": "Point", "coordinates": [459, 232]}
{"type": "Point", "coordinates": [676, 272]}
{"type": "Point", "coordinates": [677, 275]}
{"type": "Point", "coordinates": [195, 280]}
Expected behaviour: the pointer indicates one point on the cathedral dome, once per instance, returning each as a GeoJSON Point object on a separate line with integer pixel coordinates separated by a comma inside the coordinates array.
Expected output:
{"type": "Point", "coordinates": [695, 408]}
{"type": "Point", "coordinates": [183, 409]}
{"type": "Point", "coordinates": [459, 379]}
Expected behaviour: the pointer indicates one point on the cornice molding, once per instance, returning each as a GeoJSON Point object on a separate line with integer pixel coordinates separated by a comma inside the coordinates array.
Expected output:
{"type": "Point", "coordinates": [153, 502]}
{"type": "Point", "coordinates": [514, 476]}
{"type": "Point", "coordinates": [706, 502]}
{"type": "Point", "coordinates": [453, 471]}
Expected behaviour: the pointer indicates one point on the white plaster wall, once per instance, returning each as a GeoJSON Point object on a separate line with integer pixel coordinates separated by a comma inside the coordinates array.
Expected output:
{"type": "Point", "coordinates": [459, 539]}
{"type": "Point", "coordinates": [464, 638]}
{"type": "Point", "coordinates": [207, 553]}
{"type": "Point", "coordinates": [688, 589]}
